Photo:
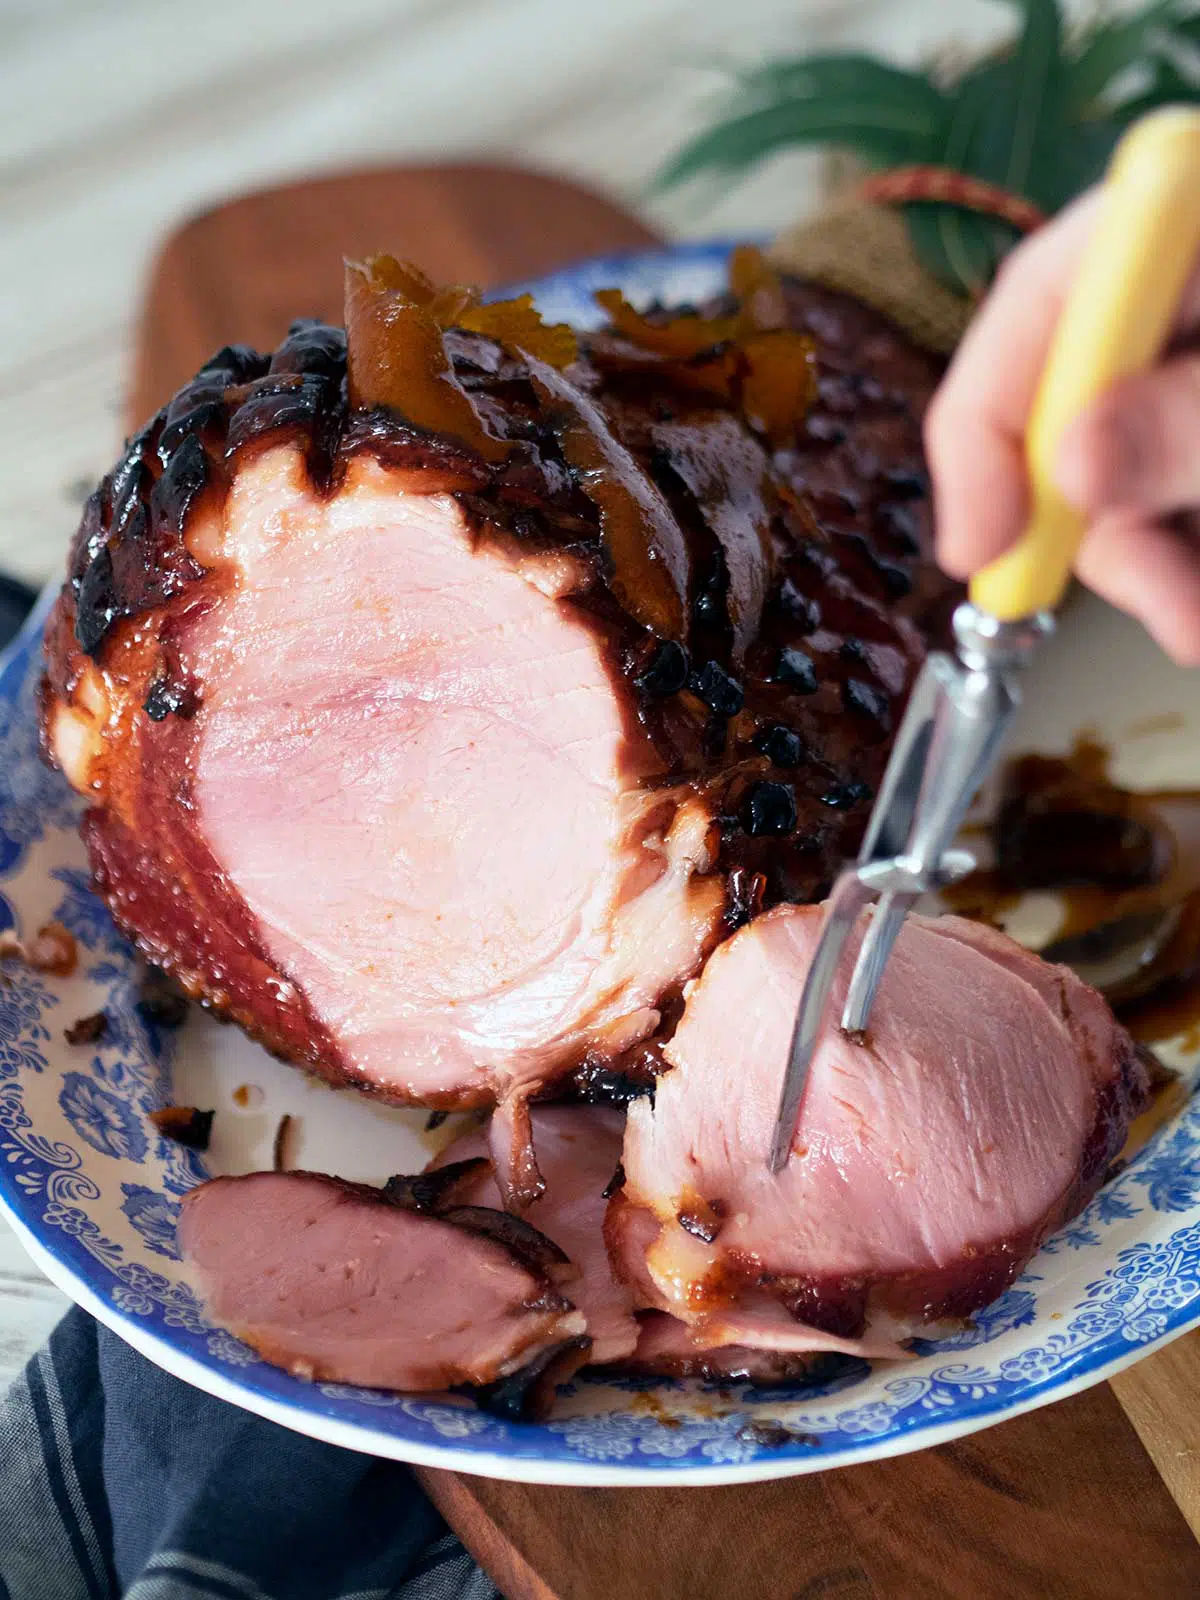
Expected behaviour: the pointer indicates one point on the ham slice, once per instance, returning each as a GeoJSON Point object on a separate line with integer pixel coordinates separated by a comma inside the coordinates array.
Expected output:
{"type": "Point", "coordinates": [337, 1282]}
{"type": "Point", "coordinates": [578, 1150]}
{"type": "Point", "coordinates": [932, 1157]}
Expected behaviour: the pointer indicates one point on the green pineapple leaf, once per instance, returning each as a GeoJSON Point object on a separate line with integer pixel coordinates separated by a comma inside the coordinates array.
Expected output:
{"type": "Point", "coordinates": [846, 76]}
{"type": "Point", "coordinates": [1168, 85]}
{"type": "Point", "coordinates": [1083, 156]}
{"type": "Point", "coordinates": [887, 116]}
{"type": "Point", "coordinates": [1006, 125]}
{"type": "Point", "coordinates": [1108, 50]}
{"type": "Point", "coordinates": [980, 129]}
{"type": "Point", "coordinates": [1039, 118]}
{"type": "Point", "coordinates": [961, 248]}
{"type": "Point", "coordinates": [1037, 127]}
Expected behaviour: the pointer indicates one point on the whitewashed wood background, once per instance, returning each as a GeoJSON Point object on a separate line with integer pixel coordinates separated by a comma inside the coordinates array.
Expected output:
{"type": "Point", "coordinates": [119, 118]}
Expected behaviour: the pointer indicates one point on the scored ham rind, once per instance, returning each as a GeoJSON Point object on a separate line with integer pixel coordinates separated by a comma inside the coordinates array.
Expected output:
{"type": "Point", "coordinates": [578, 1149]}
{"type": "Point", "coordinates": [393, 757]}
{"type": "Point", "coordinates": [982, 1110]}
{"type": "Point", "coordinates": [336, 1283]}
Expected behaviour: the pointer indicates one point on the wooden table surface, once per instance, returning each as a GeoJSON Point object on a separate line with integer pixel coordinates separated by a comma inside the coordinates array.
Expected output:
{"type": "Point", "coordinates": [1096, 1496]}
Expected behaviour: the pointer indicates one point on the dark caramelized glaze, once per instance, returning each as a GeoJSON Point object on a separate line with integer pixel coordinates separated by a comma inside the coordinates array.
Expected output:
{"type": "Point", "coordinates": [647, 552]}
{"type": "Point", "coordinates": [1062, 825]}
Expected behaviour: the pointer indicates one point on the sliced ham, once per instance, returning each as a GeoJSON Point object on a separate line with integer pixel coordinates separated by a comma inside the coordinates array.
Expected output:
{"type": "Point", "coordinates": [932, 1157]}
{"type": "Point", "coordinates": [578, 1149]}
{"type": "Point", "coordinates": [337, 1282]}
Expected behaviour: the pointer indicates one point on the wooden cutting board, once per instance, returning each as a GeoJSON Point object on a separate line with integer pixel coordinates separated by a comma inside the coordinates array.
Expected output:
{"type": "Point", "coordinates": [1091, 1497]}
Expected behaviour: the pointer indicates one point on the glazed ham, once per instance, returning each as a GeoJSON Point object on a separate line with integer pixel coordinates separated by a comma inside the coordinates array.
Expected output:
{"type": "Point", "coordinates": [445, 694]}
{"type": "Point", "coordinates": [981, 1110]}
{"type": "Point", "coordinates": [579, 1149]}
{"type": "Point", "coordinates": [466, 938]}
{"type": "Point", "coordinates": [391, 1289]}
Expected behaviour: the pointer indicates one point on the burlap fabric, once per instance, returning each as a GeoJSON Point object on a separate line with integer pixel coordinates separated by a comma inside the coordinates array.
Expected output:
{"type": "Point", "coordinates": [864, 250]}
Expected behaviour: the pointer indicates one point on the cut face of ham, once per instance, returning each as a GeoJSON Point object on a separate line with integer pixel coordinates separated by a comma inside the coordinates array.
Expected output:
{"type": "Point", "coordinates": [578, 1148]}
{"type": "Point", "coordinates": [932, 1157]}
{"type": "Point", "coordinates": [440, 743]}
{"type": "Point", "coordinates": [334, 1282]}
{"type": "Point", "coordinates": [440, 707]}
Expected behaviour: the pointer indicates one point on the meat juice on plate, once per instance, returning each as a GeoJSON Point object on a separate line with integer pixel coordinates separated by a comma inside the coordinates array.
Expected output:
{"type": "Point", "coordinates": [1107, 880]}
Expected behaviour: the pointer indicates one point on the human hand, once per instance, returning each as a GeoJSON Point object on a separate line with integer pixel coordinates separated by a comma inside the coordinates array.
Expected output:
{"type": "Point", "coordinates": [1131, 463]}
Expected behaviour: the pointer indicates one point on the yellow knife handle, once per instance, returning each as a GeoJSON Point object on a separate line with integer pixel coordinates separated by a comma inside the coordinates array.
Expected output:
{"type": "Point", "coordinates": [1116, 320]}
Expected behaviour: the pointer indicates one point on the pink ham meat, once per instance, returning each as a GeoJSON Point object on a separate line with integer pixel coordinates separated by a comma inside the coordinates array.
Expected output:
{"type": "Point", "coordinates": [578, 1149]}
{"type": "Point", "coordinates": [360, 718]}
{"type": "Point", "coordinates": [932, 1157]}
{"type": "Point", "coordinates": [334, 1281]}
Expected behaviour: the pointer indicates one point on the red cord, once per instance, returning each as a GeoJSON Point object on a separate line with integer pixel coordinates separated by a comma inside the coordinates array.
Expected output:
{"type": "Point", "coordinates": [940, 183]}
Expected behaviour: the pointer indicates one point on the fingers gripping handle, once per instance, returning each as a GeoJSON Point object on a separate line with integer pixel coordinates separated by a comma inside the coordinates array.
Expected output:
{"type": "Point", "coordinates": [1115, 322]}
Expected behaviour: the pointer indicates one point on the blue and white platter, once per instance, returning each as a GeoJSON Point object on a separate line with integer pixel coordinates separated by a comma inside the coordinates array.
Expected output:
{"type": "Point", "coordinates": [93, 1190]}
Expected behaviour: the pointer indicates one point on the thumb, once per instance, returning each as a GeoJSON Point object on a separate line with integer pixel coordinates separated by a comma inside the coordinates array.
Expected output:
{"type": "Point", "coordinates": [1138, 446]}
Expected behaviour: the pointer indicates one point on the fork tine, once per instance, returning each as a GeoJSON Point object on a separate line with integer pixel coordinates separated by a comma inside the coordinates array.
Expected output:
{"type": "Point", "coordinates": [850, 895]}
{"type": "Point", "coordinates": [895, 805]}
{"type": "Point", "coordinates": [873, 953]}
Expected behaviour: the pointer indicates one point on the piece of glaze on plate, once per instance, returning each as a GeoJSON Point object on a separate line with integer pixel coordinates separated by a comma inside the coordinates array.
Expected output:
{"type": "Point", "coordinates": [93, 1190]}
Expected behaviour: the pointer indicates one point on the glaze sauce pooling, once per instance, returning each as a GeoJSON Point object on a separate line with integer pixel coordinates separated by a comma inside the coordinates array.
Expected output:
{"type": "Point", "coordinates": [1126, 865]}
